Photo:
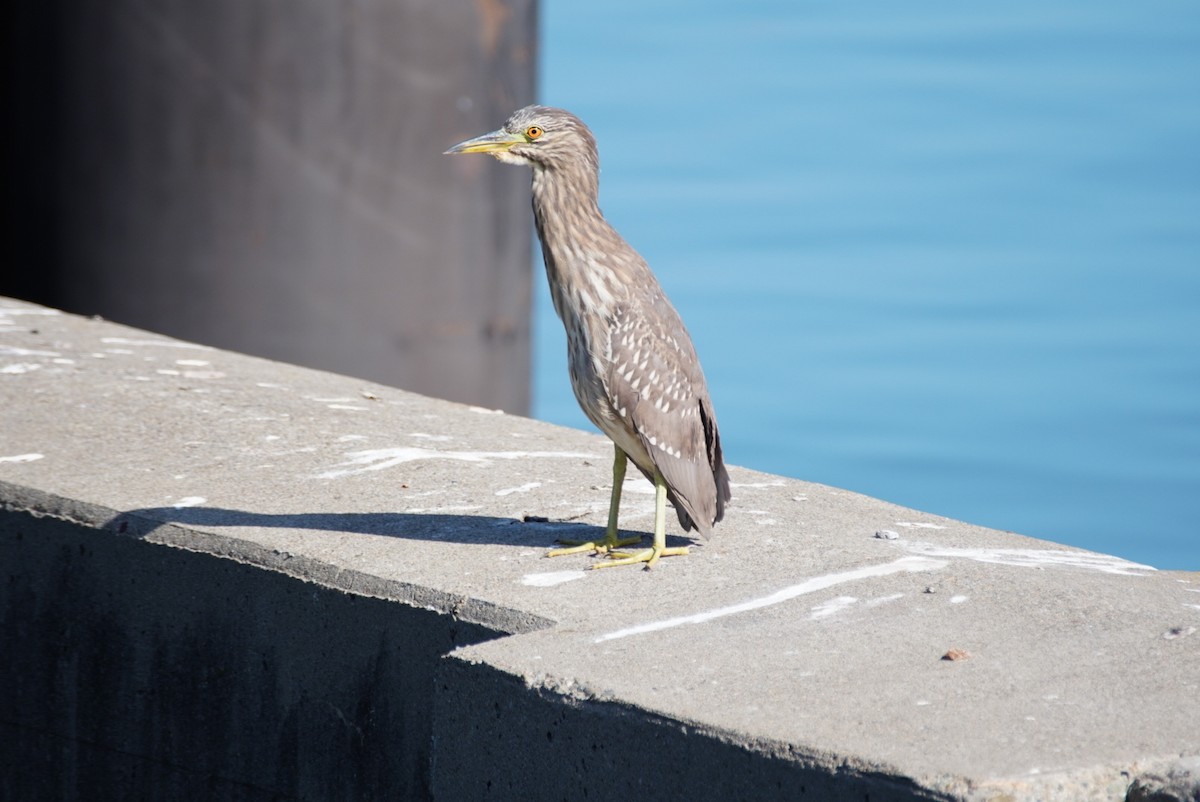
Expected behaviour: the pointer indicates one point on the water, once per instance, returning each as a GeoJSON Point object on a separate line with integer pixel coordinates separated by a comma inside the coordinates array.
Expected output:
{"type": "Point", "coordinates": [943, 254]}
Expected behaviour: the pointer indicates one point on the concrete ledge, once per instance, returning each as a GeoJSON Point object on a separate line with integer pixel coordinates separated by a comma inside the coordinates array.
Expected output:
{"type": "Point", "coordinates": [228, 577]}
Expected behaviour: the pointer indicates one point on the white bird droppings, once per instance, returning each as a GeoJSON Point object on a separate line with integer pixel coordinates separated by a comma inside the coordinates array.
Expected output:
{"type": "Point", "coordinates": [378, 459]}
{"type": "Point", "coordinates": [164, 343]}
{"type": "Point", "coordinates": [12, 350]}
{"type": "Point", "coordinates": [903, 565]}
{"type": "Point", "coordinates": [551, 578]}
{"type": "Point", "coordinates": [483, 411]}
{"type": "Point", "coordinates": [23, 458]}
{"type": "Point", "coordinates": [1034, 558]}
{"type": "Point", "coordinates": [832, 606]}
{"type": "Point", "coordinates": [525, 488]}
{"type": "Point", "coordinates": [20, 367]}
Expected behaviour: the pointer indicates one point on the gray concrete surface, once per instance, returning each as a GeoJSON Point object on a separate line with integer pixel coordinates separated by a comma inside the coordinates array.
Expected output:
{"type": "Point", "coordinates": [795, 655]}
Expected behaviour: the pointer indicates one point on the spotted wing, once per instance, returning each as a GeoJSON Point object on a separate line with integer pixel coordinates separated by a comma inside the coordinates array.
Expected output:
{"type": "Point", "coordinates": [658, 390]}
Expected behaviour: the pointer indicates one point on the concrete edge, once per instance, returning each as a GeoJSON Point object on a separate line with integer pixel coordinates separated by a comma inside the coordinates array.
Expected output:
{"type": "Point", "coordinates": [22, 498]}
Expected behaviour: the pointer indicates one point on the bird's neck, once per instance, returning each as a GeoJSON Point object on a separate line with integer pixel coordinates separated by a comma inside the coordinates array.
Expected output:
{"type": "Point", "coordinates": [583, 254]}
{"type": "Point", "coordinates": [566, 199]}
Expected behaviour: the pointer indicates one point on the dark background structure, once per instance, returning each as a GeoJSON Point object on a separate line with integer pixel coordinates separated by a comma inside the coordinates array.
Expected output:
{"type": "Point", "coordinates": [266, 176]}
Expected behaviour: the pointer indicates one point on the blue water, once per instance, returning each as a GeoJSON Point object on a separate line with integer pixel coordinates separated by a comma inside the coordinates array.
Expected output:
{"type": "Point", "coordinates": [940, 253]}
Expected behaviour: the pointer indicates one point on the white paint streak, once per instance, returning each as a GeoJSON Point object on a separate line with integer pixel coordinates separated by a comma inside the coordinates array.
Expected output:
{"type": "Point", "coordinates": [347, 406]}
{"type": "Point", "coordinates": [903, 565]}
{"type": "Point", "coordinates": [189, 501]}
{"type": "Point", "coordinates": [12, 350]}
{"type": "Point", "coordinates": [525, 488]}
{"type": "Point", "coordinates": [436, 510]}
{"type": "Point", "coordinates": [919, 525]}
{"type": "Point", "coordinates": [20, 367]}
{"type": "Point", "coordinates": [378, 459]}
{"type": "Point", "coordinates": [551, 578]}
{"type": "Point", "coordinates": [1032, 558]}
{"type": "Point", "coordinates": [483, 411]}
{"type": "Point", "coordinates": [957, 599]}
{"type": "Point", "coordinates": [13, 311]}
{"type": "Point", "coordinates": [832, 606]}
{"type": "Point", "coordinates": [23, 458]}
{"type": "Point", "coordinates": [437, 438]}
{"type": "Point", "coordinates": [194, 363]}
{"type": "Point", "coordinates": [163, 343]}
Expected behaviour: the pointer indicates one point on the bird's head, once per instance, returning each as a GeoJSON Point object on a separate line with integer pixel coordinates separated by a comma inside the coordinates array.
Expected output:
{"type": "Point", "coordinates": [539, 136]}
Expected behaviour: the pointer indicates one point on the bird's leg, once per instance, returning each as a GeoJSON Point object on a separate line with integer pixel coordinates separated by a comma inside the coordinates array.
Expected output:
{"type": "Point", "coordinates": [659, 549]}
{"type": "Point", "coordinates": [611, 541]}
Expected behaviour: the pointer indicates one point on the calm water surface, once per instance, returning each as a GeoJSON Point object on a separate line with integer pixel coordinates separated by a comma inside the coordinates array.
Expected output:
{"type": "Point", "coordinates": [942, 254]}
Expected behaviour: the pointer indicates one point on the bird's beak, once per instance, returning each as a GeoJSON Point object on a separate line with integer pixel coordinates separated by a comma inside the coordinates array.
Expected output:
{"type": "Point", "coordinates": [495, 142]}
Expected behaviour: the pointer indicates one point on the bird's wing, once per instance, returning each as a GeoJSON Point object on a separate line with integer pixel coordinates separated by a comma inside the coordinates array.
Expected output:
{"type": "Point", "coordinates": [657, 388]}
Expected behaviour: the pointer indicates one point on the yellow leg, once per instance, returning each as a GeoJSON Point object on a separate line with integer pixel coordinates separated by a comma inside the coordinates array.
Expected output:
{"type": "Point", "coordinates": [659, 549]}
{"type": "Point", "coordinates": [611, 541]}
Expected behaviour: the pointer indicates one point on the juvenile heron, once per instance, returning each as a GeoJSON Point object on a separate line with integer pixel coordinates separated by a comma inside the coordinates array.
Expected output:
{"type": "Point", "coordinates": [633, 368]}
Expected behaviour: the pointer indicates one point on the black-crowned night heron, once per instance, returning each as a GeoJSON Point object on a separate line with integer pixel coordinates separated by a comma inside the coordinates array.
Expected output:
{"type": "Point", "coordinates": [633, 367]}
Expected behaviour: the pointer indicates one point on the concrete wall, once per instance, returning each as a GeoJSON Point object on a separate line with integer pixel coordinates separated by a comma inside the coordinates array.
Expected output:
{"type": "Point", "coordinates": [137, 671]}
{"type": "Point", "coordinates": [228, 578]}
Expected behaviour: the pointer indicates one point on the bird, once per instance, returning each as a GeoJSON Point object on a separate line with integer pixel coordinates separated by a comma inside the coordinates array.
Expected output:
{"type": "Point", "coordinates": [632, 364]}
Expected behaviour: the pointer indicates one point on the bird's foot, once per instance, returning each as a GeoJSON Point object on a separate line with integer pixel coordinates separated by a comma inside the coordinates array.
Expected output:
{"type": "Point", "coordinates": [648, 556]}
{"type": "Point", "coordinates": [605, 546]}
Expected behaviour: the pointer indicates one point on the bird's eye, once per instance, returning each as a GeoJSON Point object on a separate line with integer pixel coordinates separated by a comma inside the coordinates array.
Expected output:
{"type": "Point", "coordinates": [533, 131]}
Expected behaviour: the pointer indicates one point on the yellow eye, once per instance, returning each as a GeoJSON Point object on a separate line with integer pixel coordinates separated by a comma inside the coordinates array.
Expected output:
{"type": "Point", "coordinates": [533, 132]}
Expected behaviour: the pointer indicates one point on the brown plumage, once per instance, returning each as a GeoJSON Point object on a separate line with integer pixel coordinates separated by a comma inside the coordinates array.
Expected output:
{"type": "Point", "coordinates": [633, 367]}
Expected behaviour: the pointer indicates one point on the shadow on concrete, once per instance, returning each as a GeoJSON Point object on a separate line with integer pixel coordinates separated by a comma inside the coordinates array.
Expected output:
{"type": "Point", "coordinates": [474, 529]}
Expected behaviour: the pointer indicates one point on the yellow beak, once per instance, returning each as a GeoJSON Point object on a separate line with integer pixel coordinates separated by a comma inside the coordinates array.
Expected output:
{"type": "Point", "coordinates": [488, 143]}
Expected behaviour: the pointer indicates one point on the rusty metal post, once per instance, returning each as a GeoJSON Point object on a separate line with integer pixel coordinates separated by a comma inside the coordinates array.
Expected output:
{"type": "Point", "coordinates": [266, 176]}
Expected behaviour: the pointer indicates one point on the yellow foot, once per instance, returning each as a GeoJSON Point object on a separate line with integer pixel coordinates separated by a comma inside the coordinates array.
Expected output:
{"type": "Point", "coordinates": [648, 556]}
{"type": "Point", "coordinates": [595, 546]}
